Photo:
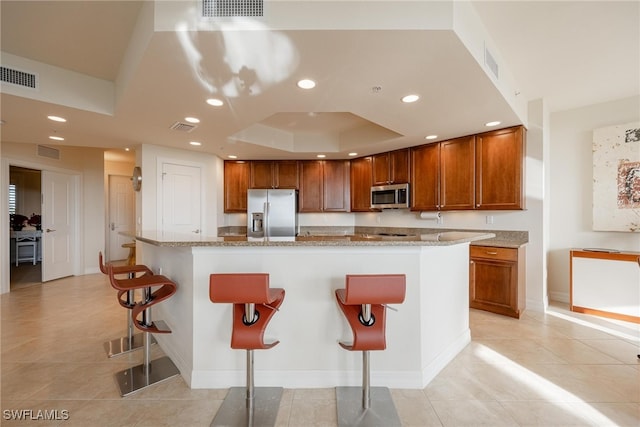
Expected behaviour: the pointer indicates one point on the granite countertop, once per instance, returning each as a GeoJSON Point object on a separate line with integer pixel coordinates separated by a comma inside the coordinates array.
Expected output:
{"type": "Point", "coordinates": [439, 238]}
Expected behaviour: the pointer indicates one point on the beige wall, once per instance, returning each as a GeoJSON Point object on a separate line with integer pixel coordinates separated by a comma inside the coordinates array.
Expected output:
{"type": "Point", "coordinates": [88, 164]}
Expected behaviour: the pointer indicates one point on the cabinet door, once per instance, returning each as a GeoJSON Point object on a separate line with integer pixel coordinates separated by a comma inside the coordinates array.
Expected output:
{"type": "Point", "coordinates": [399, 166]}
{"type": "Point", "coordinates": [336, 186]}
{"type": "Point", "coordinates": [361, 182]}
{"type": "Point", "coordinates": [457, 173]}
{"type": "Point", "coordinates": [236, 182]}
{"type": "Point", "coordinates": [493, 280]}
{"type": "Point", "coordinates": [311, 186]}
{"type": "Point", "coordinates": [391, 167]}
{"type": "Point", "coordinates": [425, 166]}
{"type": "Point", "coordinates": [380, 167]}
{"type": "Point", "coordinates": [261, 174]}
{"type": "Point", "coordinates": [285, 174]}
{"type": "Point", "coordinates": [500, 169]}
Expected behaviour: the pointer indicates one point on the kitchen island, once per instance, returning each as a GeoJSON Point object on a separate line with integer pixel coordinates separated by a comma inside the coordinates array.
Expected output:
{"type": "Point", "coordinates": [429, 329]}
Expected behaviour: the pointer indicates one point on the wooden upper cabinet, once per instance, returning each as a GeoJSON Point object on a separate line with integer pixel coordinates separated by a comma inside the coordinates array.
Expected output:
{"type": "Point", "coordinates": [361, 182]}
{"type": "Point", "coordinates": [391, 167]}
{"type": "Point", "coordinates": [457, 173]}
{"type": "Point", "coordinates": [324, 186]}
{"type": "Point", "coordinates": [442, 175]}
{"type": "Point", "coordinates": [336, 186]}
{"type": "Point", "coordinates": [236, 182]}
{"type": "Point", "coordinates": [311, 185]}
{"type": "Point", "coordinates": [274, 174]}
{"type": "Point", "coordinates": [425, 177]}
{"type": "Point", "coordinates": [500, 169]}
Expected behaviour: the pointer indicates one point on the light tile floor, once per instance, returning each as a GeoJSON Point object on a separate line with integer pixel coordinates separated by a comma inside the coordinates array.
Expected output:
{"type": "Point", "coordinates": [553, 369]}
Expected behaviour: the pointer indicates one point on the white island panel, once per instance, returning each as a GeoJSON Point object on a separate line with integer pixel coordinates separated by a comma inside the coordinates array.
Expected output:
{"type": "Point", "coordinates": [426, 332]}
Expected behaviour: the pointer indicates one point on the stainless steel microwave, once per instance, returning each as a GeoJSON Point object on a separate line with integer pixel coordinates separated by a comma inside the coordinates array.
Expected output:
{"type": "Point", "coordinates": [394, 196]}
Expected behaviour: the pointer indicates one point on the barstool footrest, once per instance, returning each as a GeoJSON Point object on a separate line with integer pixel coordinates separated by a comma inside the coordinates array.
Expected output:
{"type": "Point", "coordinates": [157, 327]}
{"type": "Point", "coordinates": [124, 345]}
{"type": "Point", "coordinates": [382, 412]}
{"type": "Point", "coordinates": [233, 411]}
{"type": "Point", "coordinates": [135, 379]}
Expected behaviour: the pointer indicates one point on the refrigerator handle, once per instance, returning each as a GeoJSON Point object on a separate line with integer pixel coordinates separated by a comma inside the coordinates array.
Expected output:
{"type": "Point", "coordinates": [267, 232]}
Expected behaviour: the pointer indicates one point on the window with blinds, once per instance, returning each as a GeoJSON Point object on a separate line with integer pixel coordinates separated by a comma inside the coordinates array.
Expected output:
{"type": "Point", "coordinates": [12, 199]}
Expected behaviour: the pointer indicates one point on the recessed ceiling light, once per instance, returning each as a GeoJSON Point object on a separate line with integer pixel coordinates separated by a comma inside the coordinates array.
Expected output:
{"type": "Point", "coordinates": [410, 98]}
{"type": "Point", "coordinates": [496, 123]}
{"type": "Point", "coordinates": [353, 154]}
{"type": "Point", "coordinates": [232, 156]}
{"type": "Point", "coordinates": [431, 137]}
{"type": "Point", "coordinates": [306, 84]}
{"type": "Point", "coordinates": [57, 119]}
{"type": "Point", "coordinates": [56, 138]}
{"type": "Point", "coordinates": [215, 102]}
{"type": "Point", "coordinates": [196, 143]}
{"type": "Point", "coordinates": [192, 119]}
{"type": "Point", "coordinates": [126, 149]}
{"type": "Point", "coordinates": [321, 156]}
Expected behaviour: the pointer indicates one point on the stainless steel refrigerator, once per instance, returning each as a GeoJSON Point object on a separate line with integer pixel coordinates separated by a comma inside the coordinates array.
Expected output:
{"type": "Point", "coordinates": [272, 213]}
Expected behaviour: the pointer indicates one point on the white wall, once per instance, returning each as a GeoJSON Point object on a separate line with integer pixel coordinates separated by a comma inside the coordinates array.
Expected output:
{"type": "Point", "coordinates": [570, 180]}
{"type": "Point", "coordinates": [148, 157]}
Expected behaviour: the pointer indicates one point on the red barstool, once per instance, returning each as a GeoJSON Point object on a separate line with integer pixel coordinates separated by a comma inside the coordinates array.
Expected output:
{"type": "Point", "coordinates": [126, 299]}
{"type": "Point", "coordinates": [364, 302]}
{"type": "Point", "coordinates": [254, 304]}
{"type": "Point", "coordinates": [149, 372]}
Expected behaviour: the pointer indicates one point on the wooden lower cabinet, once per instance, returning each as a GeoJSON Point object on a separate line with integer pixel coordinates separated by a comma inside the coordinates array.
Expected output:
{"type": "Point", "coordinates": [497, 280]}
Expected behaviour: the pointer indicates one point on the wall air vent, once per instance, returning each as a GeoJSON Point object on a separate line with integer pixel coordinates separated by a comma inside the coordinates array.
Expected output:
{"type": "Point", "coordinates": [223, 8]}
{"type": "Point", "coordinates": [52, 153]}
{"type": "Point", "coordinates": [182, 127]}
{"type": "Point", "coordinates": [19, 78]}
{"type": "Point", "coordinates": [491, 63]}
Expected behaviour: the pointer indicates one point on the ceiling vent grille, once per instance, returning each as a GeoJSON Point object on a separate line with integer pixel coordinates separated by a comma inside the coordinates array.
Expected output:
{"type": "Point", "coordinates": [223, 8]}
{"type": "Point", "coordinates": [52, 153]}
{"type": "Point", "coordinates": [182, 127]}
{"type": "Point", "coordinates": [19, 78]}
{"type": "Point", "coordinates": [491, 63]}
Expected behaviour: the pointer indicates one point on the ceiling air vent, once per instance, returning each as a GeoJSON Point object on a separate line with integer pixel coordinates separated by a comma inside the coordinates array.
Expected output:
{"type": "Point", "coordinates": [19, 78]}
{"type": "Point", "coordinates": [491, 63]}
{"type": "Point", "coordinates": [182, 127]}
{"type": "Point", "coordinates": [222, 8]}
{"type": "Point", "coordinates": [52, 153]}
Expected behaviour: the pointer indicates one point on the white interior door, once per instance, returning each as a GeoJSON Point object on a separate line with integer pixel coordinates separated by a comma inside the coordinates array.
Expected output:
{"type": "Point", "coordinates": [121, 215]}
{"type": "Point", "coordinates": [181, 198]}
{"type": "Point", "coordinates": [58, 219]}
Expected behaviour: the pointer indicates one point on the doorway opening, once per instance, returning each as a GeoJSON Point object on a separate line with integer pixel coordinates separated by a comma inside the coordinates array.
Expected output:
{"type": "Point", "coordinates": [25, 213]}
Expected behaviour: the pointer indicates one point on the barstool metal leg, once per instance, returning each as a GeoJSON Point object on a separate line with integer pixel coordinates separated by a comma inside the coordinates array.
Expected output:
{"type": "Point", "coordinates": [366, 382]}
{"type": "Point", "coordinates": [132, 341]}
{"type": "Point", "coordinates": [150, 372]}
{"type": "Point", "coordinates": [249, 406]}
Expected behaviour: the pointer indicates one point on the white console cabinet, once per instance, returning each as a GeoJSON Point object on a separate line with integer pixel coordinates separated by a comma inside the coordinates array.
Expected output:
{"type": "Point", "coordinates": [606, 283]}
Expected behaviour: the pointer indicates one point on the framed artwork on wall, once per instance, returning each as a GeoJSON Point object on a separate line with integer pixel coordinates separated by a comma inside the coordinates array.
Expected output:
{"type": "Point", "coordinates": [616, 178]}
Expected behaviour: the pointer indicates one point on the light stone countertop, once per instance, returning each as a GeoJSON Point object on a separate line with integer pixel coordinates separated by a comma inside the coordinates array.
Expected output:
{"type": "Point", "coordinates": [440, 238]}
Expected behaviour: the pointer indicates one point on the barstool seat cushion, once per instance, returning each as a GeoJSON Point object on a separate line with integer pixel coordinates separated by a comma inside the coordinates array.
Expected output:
{"type": "Point", "coordinates": [374, 289]}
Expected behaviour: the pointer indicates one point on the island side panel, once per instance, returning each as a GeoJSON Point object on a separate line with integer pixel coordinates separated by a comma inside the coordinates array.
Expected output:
{"type": "Point", "coordinates": [177, 264]}
{"type": "Point", "coordinates": [444, 306]}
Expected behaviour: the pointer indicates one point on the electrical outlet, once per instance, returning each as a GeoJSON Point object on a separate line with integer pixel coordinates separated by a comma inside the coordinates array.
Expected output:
{"type": "Point", "coordinates": [489, 219]}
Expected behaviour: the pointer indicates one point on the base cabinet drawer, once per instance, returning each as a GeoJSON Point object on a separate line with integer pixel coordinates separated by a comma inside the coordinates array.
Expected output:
{"type": "Point", "coordinates": [496, 280]}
